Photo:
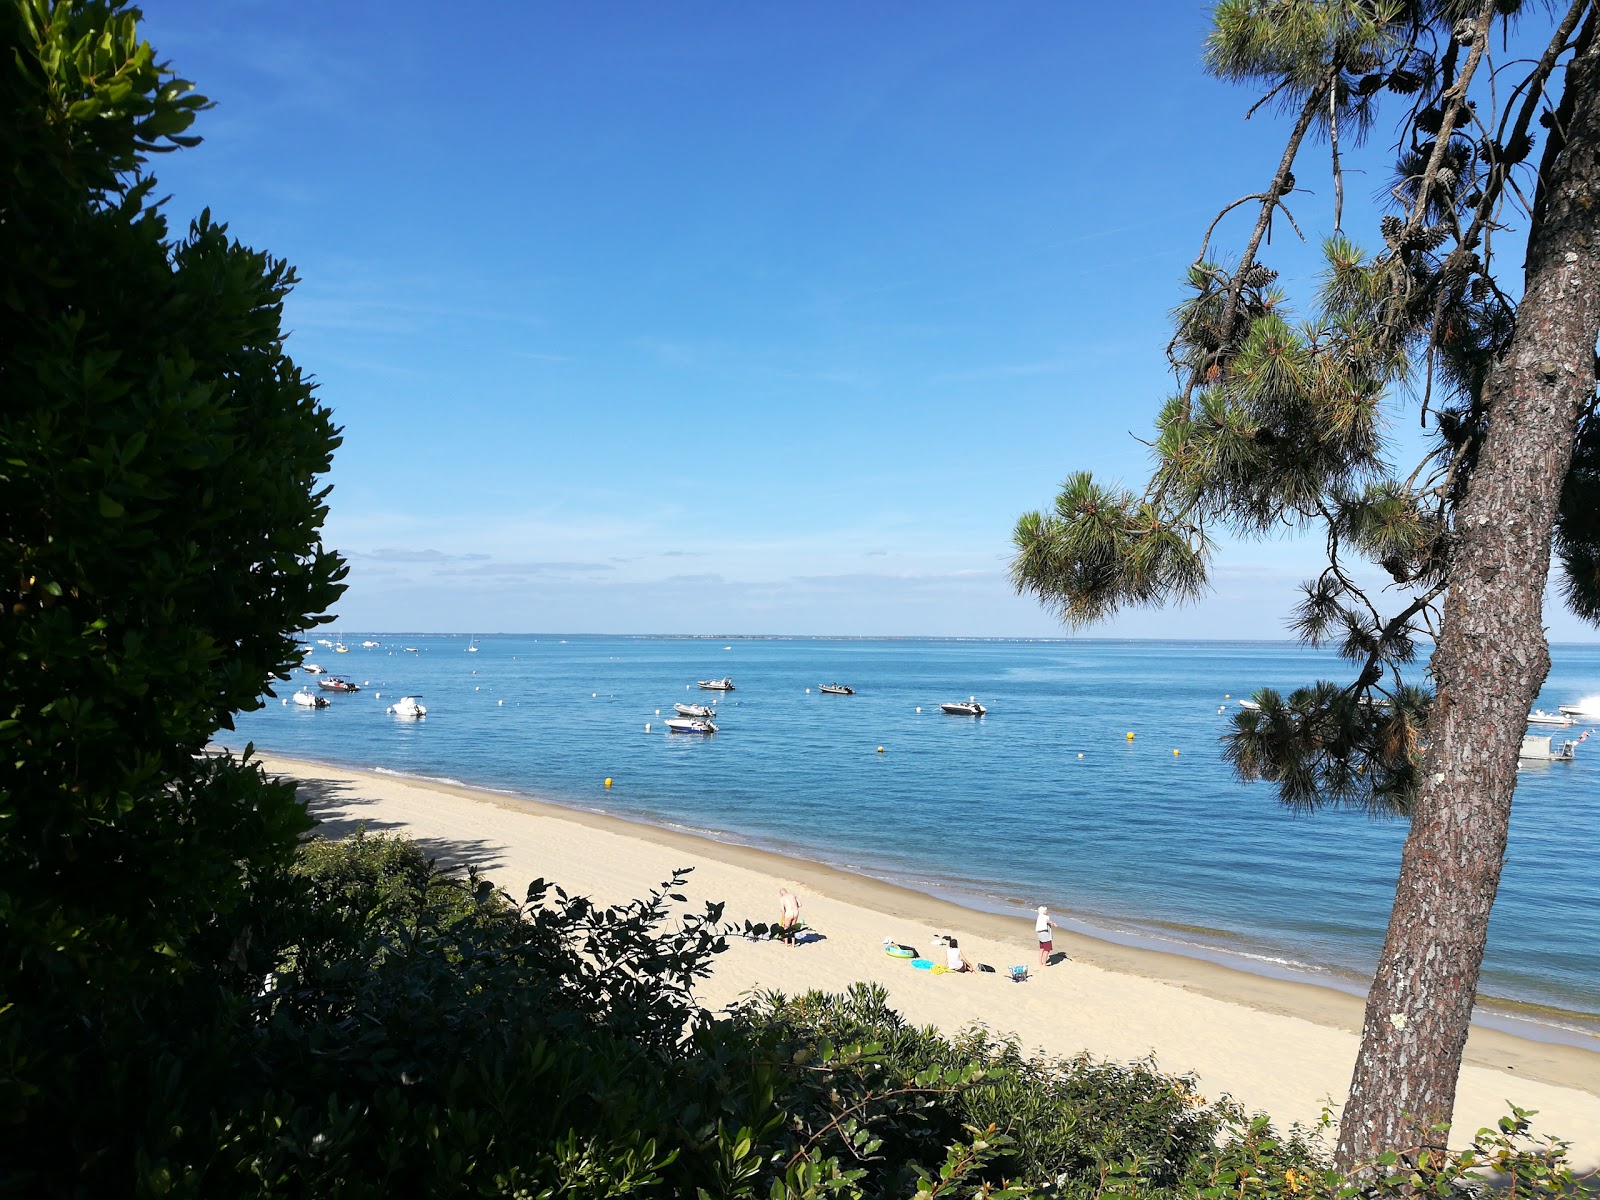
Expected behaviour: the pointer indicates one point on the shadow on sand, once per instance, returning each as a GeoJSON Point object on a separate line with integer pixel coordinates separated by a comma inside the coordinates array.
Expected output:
{"type": "Point", "coordinates": [337, 807]}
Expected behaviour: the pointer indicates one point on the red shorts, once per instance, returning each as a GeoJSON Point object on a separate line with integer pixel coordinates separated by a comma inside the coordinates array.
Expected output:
{"type": "Point", "coordinates": [1046, 944]}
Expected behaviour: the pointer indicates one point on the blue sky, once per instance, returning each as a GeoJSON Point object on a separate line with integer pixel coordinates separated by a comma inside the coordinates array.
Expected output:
{"type": "Point", "coordinates": [716, 318]}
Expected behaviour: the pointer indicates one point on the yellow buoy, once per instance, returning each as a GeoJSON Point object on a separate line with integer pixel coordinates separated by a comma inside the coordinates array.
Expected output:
{"type": "Point", "coordinates": [1174, 754]}
{"type": "Point", "coordinates": [1130, 735]}
{"type": "Point", "coordinates": [608, 783]}
{"type": "Point", "coordinates": [1080, 756]}
{"type": "Point", "coordinates": [880, 749]}
{"type": "Point", "coordinates": [1226, 696]}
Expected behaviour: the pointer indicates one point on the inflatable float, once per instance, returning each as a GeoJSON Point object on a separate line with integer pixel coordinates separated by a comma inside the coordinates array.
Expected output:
{"type": "Point", "coordinates": [895, 950]}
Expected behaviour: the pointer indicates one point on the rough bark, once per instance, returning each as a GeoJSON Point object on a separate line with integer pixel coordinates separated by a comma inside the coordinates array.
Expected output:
{"type": "Point", "coordinates": [1490, 661]}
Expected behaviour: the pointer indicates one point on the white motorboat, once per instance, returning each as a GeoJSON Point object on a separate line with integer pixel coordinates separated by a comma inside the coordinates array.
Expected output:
{"type": "Point", "coordinates": [370, 645]}
{"type": "Point", "coordinates": [835, 689]}
{"type": "Point", "coordinates": [1578, 712]}
{"type": "Point", "coordinates": [333, 683]}
{"type": "Point", "coordinates": [408, 706]}
{"type": "Point", "coordinates": [717, 685]}
{"type": "Point", "coordinates": [306, 700]}
{"type": "Point", "coordinates": [1539, 717]}
{"type": "Point", "coordinates": [1249, 706]}
{"type": "Point", "coordinates": [704, 711]}
{"type": "Point", "coordinates": [689, 725]}
{"type": "Point", "coordinates": [311, 668]}
{"type": "Point", "coordinates": [964, 708]}
{"type": "Point", "coordinates": [1537, 748]}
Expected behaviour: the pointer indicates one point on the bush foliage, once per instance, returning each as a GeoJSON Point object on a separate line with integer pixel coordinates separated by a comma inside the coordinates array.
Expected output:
{"type": "Point", "coordinates": [195, 1004]}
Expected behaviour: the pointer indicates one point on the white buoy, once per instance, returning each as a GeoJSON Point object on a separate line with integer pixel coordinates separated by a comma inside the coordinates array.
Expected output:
{"type": "Point", "coordinates": [808, 691]}
{"type": "Point", "coordinates": [499, 701]}
{"type": "Point", "coordinates": [658, 712]}
{"type": "Point", "coordinates": [647, 726]}
{"type": "Point", "coordinates": [919, 708]}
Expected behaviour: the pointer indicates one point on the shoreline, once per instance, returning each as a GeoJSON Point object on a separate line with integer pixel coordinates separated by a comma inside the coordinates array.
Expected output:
{"type": "Point", "coordinates": [1235, 1030]}
{"type": "Point", "coordinates": [1104, 944]}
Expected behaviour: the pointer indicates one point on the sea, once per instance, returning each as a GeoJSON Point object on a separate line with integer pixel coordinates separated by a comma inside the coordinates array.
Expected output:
{"type": "Point", "coordinates": [1094, 783]}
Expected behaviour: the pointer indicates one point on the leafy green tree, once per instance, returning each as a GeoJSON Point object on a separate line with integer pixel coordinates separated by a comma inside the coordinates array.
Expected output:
{"type": "Point", "coordinates": [159, 545]}
{"type": "Point", "coordinates": [1276, 422]}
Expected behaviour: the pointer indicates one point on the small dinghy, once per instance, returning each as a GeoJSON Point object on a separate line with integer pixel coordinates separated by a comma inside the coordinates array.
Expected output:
{"type": "Point", "coordinates": [408, 706]}
{"type": "Point", "coordinates": [704, 711]}
{"type": "Point", "coordinates": [690, 725]}
{"type": "Point", "coordinates": [835, 689]}
{"type": "Point", "coordinates": [717, 685]}
{"type": "Point", "coordinates": [306, 700]}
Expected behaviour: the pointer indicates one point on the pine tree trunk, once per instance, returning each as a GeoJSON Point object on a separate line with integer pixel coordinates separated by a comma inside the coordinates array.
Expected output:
{"type": "Point", "coordinates": [1488, 667]}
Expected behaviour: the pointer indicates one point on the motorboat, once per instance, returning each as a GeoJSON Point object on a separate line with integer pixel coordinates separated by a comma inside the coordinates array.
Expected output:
{"type": "Point", "coordinates": [411, 649]}
{"type": "Point", "coordinates": [835, 689]}
{"type": "Point", "coordinates": [1249, 706]}
{"type": "Point", "coordinates": [333, 683]}
{"type": "Point", "coordinates": [689, 725]}
{"type": "Point", "coordinates": [1579, 711]}
{"type": "Point", "coordinates": [717, 685]}
{"type": "Point", "coordinates": [311, 668]}
{"type": "Point", "coordinates": [1537, 748]}
{"type": "Point", "coordinates": [1539, 717]}
{"type": "Point", "coordinates": [964, 708]}
{"type": "Point", "coordinates": [370, 645]}
{"type": "Point", "coordinates": [408, 706]}
{"type": "Point", "coordinates": [704, 711]}
{"type": "Point", "coordinates": [306, 700]}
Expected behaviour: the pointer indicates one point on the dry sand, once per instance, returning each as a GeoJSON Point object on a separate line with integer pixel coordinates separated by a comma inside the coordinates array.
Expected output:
{"type": "Point", "coordinates": [1277, 1046]}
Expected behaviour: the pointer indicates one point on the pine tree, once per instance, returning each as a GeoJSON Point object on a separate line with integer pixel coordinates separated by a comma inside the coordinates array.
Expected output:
{"type": "Point", "coordinates": [1277, 422]}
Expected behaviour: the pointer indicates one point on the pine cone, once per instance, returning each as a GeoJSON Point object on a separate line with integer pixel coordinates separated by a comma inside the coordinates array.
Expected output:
{"type": "Point", "coordinates": [1465, 31]}
{"type": "Point", "coordinates": [1403, 82]}
{"type": "Point", "coordinates": [1391, 227]}
{"type": "Point", "coordinates": [1259, 276]}
{"type": "Point", "coordinates": [1430, 119]}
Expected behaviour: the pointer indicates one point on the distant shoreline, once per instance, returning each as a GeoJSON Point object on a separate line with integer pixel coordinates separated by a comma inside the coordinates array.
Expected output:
{"type": "Point", "coordinates": [1024, 639]}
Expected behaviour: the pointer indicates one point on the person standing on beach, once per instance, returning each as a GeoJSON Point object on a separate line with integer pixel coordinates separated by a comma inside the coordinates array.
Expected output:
{"type": "Point", "coordinates": [1042, 927]}
{"type": "Point", "coordinates": [788, 914]}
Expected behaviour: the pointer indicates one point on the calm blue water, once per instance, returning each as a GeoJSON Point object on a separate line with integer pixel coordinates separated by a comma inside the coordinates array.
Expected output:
{"type": "Point", "coordinates": [1044, 800]}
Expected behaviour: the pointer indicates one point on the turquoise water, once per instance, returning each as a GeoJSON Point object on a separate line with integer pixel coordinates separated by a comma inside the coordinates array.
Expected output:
{"type": "Point", "coordinates": [1042, 801]}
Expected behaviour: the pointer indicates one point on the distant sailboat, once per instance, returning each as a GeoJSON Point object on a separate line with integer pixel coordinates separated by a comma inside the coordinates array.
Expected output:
{"type": "Point", "coordinates": [472, 646]}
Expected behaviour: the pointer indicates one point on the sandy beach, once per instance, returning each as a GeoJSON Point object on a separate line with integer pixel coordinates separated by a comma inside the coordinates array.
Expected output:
{"type": "Point", "coordinates": [1278, 1046]}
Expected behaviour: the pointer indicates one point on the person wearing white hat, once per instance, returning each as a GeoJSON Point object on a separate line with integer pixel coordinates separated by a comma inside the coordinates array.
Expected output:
{"type": "Point", "coordinates": [1042, 927]}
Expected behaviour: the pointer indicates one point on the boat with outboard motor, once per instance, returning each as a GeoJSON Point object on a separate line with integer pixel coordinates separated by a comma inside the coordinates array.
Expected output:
{"type": "Point", "coordinates": [408, 706]}
{"type": "Point", "coordinates": [305, 699]}
{"type": "Point", "coordinates": [703, 711]}
{"type": "Point", "coordinates": [689, 725]}
{"type": "Point", "coordinates": [835, 689]}
{"type": "Point", "coordinates": [1539, 717]}
{"type": "Point", "coordinates": [717, 685]}
{"type": "Point", "coordinates": [333, 683]}
{"type": "Point", "coordinates": [964, 708]}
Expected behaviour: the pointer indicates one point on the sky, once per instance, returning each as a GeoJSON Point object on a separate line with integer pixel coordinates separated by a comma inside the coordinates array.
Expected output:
{"type": "Point", "coordinates": [730, 319]}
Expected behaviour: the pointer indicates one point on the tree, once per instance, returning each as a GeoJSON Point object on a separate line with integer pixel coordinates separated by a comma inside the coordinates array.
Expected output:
{"type": "Point", "coordinates": [160, 519]}
{"type": "Point", "coordinates": [1275, 423]}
